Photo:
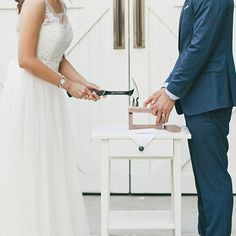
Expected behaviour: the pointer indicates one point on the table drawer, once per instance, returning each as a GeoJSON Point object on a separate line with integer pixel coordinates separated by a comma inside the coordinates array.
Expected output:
{"type": "Point", "coordinates": [128, 148]}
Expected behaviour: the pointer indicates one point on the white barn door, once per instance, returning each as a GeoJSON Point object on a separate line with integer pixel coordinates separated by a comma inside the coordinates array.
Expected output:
{"type": "Point", "coordinates": [93, 55]}
{"type": "Point", "coordinates": [157, 60]}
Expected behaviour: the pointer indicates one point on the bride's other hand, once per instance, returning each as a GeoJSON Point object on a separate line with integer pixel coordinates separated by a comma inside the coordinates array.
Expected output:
{"type": "Point", "coordinates": [78, 90]}
{"type": "Point", "coordinates": [92, 86]}
{"type": "Point", "coordinates": [73, 75]}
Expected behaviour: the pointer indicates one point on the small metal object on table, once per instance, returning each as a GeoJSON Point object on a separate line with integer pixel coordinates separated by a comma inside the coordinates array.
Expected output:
{"type": "Point", "coordinates": [116, 144]}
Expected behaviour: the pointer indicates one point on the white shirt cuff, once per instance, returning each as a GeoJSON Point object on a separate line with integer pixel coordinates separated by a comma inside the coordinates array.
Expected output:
{"type": "Point", "coordinates": [165, 85]}
{"type": "Point", "coordinates": [169, 94]}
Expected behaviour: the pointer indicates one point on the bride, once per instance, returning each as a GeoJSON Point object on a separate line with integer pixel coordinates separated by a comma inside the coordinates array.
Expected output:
{"type": "Point", "coordinates": [39, 188]}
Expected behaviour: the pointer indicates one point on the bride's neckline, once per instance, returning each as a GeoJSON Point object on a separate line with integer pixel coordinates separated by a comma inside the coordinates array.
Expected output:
{"type": "Point", "coordinates": [62, 8]}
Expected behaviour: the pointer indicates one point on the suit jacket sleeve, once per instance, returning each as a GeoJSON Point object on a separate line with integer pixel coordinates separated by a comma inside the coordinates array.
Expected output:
{"type": "Point", "coordinates": [208, 20]}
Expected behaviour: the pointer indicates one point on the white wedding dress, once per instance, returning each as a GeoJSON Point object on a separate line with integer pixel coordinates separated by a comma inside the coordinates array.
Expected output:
{"type": "Point", "coordinates": [39, 186]}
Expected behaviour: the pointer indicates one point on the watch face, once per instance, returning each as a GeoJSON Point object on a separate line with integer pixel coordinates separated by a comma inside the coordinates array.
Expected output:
{"type": "Point", "coordinates": [62, 81]}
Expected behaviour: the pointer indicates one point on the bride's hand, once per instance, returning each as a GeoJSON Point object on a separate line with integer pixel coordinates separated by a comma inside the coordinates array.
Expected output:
{"type": "Point", "coordinates": [79, 91]}
{"type": "Point", "coordinates": [92, 86]}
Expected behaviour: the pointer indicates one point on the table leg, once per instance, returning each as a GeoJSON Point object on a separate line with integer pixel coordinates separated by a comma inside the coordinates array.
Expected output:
{"type": "Point", "coordinates": [105, 188]}
{"type": "Point", "coordinates": [177, 186]}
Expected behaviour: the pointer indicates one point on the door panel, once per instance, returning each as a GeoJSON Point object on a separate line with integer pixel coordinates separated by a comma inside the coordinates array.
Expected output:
{"type": "Point", "coordinates": [157, 61]}
{"type": "Point", "coordinates": [8, 39]}
{"type": "Point", "coordinates": [93, 55]}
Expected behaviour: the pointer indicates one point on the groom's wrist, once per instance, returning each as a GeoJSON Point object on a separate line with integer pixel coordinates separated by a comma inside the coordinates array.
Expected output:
{"type": "Point", "coordinates": [171, 95]}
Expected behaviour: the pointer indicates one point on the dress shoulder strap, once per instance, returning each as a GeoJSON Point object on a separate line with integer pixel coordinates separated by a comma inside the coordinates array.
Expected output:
{"type": "Point", "coordinates": [52, 16]}
{"type": "Point", "coordinates": [50, 8]}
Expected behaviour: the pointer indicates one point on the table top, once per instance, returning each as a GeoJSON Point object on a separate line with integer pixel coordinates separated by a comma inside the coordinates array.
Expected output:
{"type": "Point", "coordinates": [122, 132]}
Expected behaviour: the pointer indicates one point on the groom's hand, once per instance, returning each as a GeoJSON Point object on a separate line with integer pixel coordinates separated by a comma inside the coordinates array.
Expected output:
{"type": "Point", "coordinates": [161, 106]}
{"type": "Point", "coordinates": [152, 100]}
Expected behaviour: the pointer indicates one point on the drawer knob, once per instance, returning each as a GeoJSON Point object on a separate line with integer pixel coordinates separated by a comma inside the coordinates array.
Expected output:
{"type": "Point", "coordinates": [141, 148]}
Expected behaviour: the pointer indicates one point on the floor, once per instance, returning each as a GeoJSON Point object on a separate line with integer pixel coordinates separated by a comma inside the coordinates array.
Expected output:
{"type": "Point", "coordinates": [189, 212]}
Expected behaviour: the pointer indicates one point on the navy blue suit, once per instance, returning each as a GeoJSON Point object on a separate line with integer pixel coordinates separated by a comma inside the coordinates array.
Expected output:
{"type": "Point", "coordinates": [204, 79]}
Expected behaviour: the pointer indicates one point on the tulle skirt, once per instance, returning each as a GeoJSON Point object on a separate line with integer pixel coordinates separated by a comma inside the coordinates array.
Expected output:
{"type": "Point", "coordinates": [39, 185]}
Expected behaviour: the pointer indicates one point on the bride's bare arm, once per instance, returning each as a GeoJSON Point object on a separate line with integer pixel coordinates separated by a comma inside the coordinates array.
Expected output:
{"type": "Point", "coordinates": [32, 16]}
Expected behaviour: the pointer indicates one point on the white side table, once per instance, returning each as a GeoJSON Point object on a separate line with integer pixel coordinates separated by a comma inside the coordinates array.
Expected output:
{"type": "Point", "coordinates": [116, 144]}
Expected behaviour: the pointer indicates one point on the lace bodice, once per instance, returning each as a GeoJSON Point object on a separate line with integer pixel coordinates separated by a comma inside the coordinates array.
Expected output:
{"type": "Point", "coordinates": [55, 36]}
{"type": "Point", "coordinates": [51, 16]}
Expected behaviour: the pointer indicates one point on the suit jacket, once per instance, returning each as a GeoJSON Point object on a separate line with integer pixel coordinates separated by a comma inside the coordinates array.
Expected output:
{"type": "Point", "coordinates": [204, 75]}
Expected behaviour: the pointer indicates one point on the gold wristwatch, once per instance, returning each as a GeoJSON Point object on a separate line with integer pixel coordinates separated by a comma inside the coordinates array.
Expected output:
{"type": "Point", "coordinates": [62, 81]}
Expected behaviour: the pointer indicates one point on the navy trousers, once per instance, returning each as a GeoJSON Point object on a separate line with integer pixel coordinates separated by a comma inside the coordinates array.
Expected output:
{"type": "Point", "coordinates": [208, 150]}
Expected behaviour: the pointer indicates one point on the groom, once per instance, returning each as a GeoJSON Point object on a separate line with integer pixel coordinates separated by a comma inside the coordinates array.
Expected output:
{"type": "Point", "coordinates": [202, 85]}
